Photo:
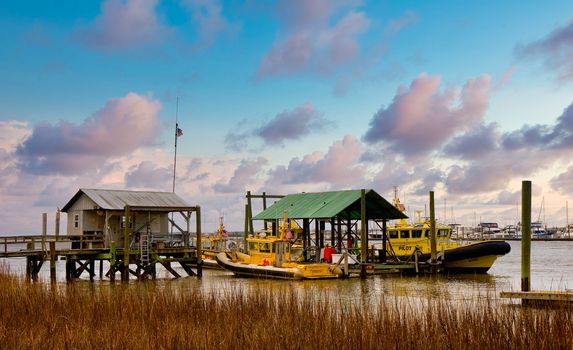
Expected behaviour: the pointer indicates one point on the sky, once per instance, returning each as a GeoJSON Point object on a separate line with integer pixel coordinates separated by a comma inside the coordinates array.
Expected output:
{"type": "Point", "coordinates": [463, 98]}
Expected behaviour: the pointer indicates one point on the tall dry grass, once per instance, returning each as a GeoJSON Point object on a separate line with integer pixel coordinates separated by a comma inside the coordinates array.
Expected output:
{"type": "Point", "coordinates": [143, 316]}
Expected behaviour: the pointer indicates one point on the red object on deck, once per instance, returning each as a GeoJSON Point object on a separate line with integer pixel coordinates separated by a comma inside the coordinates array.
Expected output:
{"type": "Point", "coordinates": [328, 251]}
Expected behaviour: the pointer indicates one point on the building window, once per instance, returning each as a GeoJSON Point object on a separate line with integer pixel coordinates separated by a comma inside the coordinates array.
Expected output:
{"type": "Point", "coordinates": [76, 220]}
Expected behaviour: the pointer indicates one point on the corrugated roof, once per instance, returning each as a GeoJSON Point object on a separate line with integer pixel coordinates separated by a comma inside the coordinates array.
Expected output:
{"type": "Point", "coordinates": [118, 199]}
{"type": "Point", "coordinates": [324, 205]}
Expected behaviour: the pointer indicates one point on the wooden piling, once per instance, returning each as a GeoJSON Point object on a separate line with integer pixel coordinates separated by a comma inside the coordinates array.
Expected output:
{"type": "Point", "coordinates": [44, 231]}
{"type": "Point", "coordinates": [112, 261]}
{"type": "Point", "coordinates": [384, 240]}
{"type": "Point", "coordinates": [265, 207]}
{"type": "Point", "coordinates": [57, 228]}
{"type": "Point", "coordinates": [125, 270]}
{"type": "Point", "coordinates": [433, 250]}
{"type": "Point", "coordinates": [199, 260]}
{"type": "Point", "coordinates": [53, 262]}
{"type": "Point", "coordinates": [525, 236]}
{"type": "Point", "coordinates": [316, 240]}
{"type": "Point", "coordinates": [250, 213]}
{"type": "Point", "coordinates": [246, 234]}
{"type": "Point", "coordinates": [363, 235]}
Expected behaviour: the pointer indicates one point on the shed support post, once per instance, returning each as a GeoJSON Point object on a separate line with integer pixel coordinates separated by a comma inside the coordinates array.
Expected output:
{"type": "Point", "coordinates": [265, 207]}
{"type": "Point", "coordinates": [384, 240]}
{"type": "Point", "coordinates": [316, 240]}
{"type": "Point", "coordinates": [332, 232]}
{"type": "Point", "coordinates": [125, 270]}
{"type": "Point", "coordinates": [339, 234]}
{"type": "Point", "coordinates": [363, 235]}
{"type": "Point", "coordinates": [112, 261]}
{"type": "Point", "coordinates": [305, 236]}
{"type": "Point", "coordinates": [250, 213]}
{"type": "Point", "coordinates": [199, 252]}
{"type": "Point", "coordinates": [246, 234]}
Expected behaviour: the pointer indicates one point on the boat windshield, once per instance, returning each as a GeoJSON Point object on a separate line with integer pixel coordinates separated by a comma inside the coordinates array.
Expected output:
{"type": "Point", "coordinates": [417, 233]}
{"type": "Point", "coordinates": [404, 234]}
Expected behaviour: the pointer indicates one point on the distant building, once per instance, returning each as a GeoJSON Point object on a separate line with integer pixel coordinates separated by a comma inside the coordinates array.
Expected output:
{"type": "Point", "coordinates": [98, 213]}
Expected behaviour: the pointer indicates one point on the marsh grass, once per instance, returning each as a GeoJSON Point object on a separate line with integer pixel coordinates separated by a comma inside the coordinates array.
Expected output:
{"type": "Point", "coordinates": [144, 316]}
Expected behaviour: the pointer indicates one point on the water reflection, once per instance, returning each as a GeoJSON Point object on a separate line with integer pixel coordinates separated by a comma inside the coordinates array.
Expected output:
{"type": "Point", "coordinates": [552, 269]}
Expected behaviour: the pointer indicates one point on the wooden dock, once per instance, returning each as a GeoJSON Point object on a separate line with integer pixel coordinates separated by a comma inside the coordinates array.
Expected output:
{"type": "Point", "coordinates": [540, 296]}
{"type": "Point", "coordinates": [81, 254]}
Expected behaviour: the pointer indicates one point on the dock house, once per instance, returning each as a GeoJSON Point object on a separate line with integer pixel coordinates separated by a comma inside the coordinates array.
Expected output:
{"type": "Point", "coordinates": [100, 213]}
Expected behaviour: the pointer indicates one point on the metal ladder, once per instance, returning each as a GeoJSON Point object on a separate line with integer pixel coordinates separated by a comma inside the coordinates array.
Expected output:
{"type": "Point", "coordinates": [144, 249]}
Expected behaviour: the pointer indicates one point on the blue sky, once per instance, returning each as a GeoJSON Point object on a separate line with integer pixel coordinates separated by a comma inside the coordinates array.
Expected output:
{"type": "Point", "coordinates": [466, 98]}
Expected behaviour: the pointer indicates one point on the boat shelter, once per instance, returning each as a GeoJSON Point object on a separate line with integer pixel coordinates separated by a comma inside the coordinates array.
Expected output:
{"type": "Point", "coordinates": [346, 212]}
{"type": "Point", "coordinates": [104, 213]}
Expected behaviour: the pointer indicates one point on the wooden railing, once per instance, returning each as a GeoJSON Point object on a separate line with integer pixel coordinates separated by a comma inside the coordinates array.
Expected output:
{"type": "Point", "coordinates": [39, 242]}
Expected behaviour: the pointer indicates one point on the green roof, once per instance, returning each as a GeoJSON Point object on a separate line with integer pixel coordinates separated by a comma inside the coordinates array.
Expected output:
{"type": "Point", "coordinates": [326, 205]}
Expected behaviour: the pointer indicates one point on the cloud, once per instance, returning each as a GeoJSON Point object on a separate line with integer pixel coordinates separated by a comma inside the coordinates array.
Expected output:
{"type": "Point", "coordinates": [396, 25]}
{"type": "Point", "coordinates": [291, 125]}
{"type": "Point", "coordinates": [309, 41]}
{"type": "Point", "coordinates": [475, 143]}
{"type": "Point", "coordinates": [505, 78]}
{"type": "Point", "coordinates": [243, 176]}
{"type": "Point", "coordinates": [338, 167]}
{"type": "Point", "coordinates": [556, 49]}
{"type": "Point", "coordinates": [564, 181]}
{"type": "Point", "coordinates": [123, 25]}
{"type": "Point", "coordinates": [207, 16]}
{"type": "Point", "coordinates": [287, 125]}
{"type": "Point", "coordinates": [420, 119]}
{"type": "Point", "coordinates": [120, 127]}
{"type": "Point", "coordinates": [147, 175]}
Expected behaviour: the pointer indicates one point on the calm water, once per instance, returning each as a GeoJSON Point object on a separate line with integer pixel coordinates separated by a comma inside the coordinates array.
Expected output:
{"type": "Point", "coordinates": [551, 267]}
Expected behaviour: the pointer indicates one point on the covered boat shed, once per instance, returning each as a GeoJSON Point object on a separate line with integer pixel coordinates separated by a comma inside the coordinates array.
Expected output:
{"type": "Point", "coordinates": [342, 210]}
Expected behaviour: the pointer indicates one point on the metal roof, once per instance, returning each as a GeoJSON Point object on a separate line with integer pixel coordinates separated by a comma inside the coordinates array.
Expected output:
{"type": "Point", "coordinates": [118, 199]}
{"type": "Point", "coordinates": [325, 205]}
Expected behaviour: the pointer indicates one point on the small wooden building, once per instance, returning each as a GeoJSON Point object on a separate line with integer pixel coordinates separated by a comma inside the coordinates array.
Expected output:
{"type": "Point", "coordinates": [101, 213]}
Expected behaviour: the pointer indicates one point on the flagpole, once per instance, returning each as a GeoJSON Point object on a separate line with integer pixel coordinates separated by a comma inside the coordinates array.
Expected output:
{"type": "Point", "coordinates": [174, 162]}
{"type": "Point", "coordinates": [175, 134]}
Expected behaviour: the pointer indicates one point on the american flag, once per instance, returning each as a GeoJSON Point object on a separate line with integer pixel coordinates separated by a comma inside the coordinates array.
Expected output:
{"type": "Point", "coordinates": [179, 132]}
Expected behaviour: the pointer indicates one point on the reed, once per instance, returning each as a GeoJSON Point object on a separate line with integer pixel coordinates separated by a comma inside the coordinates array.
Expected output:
{"type": "Point", "coordinates": [144, 316]}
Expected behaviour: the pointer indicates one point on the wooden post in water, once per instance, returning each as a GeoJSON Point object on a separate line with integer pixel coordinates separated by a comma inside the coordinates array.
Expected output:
{"type": "Point", "coordinates": [112, 261]}
{"type": "Point", "coordinates": [384, 239]}
{"type": "Point", "coordinates": [53, 262]}
{"type": "Point", "coordinates": [246, 234]}
{"type": "Point", "coordinates": [250, 213]}
{"type": "Point", "coordinates": [363, 236]}
{"type": "Point", "coordinates": [525, 235]}
{"type": "Point", "coordinates": [198, 226]}
{"type": "Point", "coordinates": [57, 229]}
{"type": "Point", "coordinates": [433, 250]}
{"type": "Point", "coordinates": [125, 270]}
{"type": "Point", "coordinates": [265, 207]}
{"type": "Point", "coordinates": [44, 231]}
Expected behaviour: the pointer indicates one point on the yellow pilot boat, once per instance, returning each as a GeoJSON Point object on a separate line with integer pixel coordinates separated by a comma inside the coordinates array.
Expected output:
{"type": "Point", "coordinates": [407, 240]}
{"type": "Point", "coordinates": [214, 244]}
{"type": "Point", "coordinates": [275, 257]}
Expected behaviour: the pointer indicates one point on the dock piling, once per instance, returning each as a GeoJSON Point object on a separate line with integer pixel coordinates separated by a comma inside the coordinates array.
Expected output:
{"type": "Point", "coordinates": [363, 235]}
{"type": "Point", "coordinates": [433, 250]}
{"type": "Point", "coordinates": [53, 262]}
{"type": "Point", "coordinates": [525, 236]}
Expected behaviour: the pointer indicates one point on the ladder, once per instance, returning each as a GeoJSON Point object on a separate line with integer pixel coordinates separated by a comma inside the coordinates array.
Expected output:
{"type": "Point", "coordinates": [144, 249]}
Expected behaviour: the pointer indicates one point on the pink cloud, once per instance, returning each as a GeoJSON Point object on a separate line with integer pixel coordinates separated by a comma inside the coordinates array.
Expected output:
{"type": "Point", "coordinates": [208, 17]}
{"type": "Point", "coordinates": [124, 25]}
{"type": "Point", "coordinates": [147, 175]}
{"type": "Point", "coordinates": [120, 127]}
{"type": "Point", "coordinates": [309, 41]}
{"type": "Point", "coordinates": [396, 25]}
{"type": "Point", "coordinates": [338, 167]}
{"type": "Point", "coordinates": [242, 177]}
{"type": "Point", "coordinates": [420, 119]}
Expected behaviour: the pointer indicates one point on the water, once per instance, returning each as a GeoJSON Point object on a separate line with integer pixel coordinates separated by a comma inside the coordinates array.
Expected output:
{"type": "Point", "coordinates": [551, 269]}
